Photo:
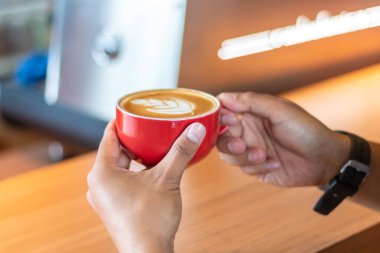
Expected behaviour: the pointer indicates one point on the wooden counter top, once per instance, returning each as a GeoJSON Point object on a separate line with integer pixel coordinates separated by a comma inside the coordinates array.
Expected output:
{"type": "Point", "coordinates": [224, 210]}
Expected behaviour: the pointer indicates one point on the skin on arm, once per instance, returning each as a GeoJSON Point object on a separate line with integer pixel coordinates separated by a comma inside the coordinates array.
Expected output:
{"type": "Point", "coordinates": [281, 144]}
{"type": "Point", "coordinates": [141, 210]}
{"type": "Point", "coordinates": [368, 194]}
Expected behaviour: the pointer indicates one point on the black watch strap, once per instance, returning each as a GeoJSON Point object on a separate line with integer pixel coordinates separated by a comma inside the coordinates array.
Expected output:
{"type": "Point", "coordinates": [347, 182]}
{"type": "Point", "coordinates": [360, 148]}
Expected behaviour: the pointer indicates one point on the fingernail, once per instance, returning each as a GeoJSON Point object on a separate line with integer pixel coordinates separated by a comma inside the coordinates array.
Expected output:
{"type": "Point", "coordinates": [228, 96]}
{"type": "Point", "coordinates": [273, 165]}
{"type": "Point", "coordinates": [236, 147]}
{"type": "Point", "coordinates": [229, 120]}
{"type": "Point", "coordinates": [196, 133]}
{"type": "Point", "coordinates": [256, 156]}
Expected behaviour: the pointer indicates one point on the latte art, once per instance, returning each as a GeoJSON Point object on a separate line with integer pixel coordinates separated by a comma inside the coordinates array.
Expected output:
{"type": "Point", "coordinates": [171, 103]}
{"type": "Point", "coordinates": [172, 106]}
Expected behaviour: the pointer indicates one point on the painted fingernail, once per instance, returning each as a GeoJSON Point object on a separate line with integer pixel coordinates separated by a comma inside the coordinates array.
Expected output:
{"type": "Point", "coordinates": [236, 146]}
{"type": "Point", "coordinates": [229, 120]}
{"type": "Point", "coordinates": [256, 156]}
{"type": "Point", "coordinates": [196, 133]}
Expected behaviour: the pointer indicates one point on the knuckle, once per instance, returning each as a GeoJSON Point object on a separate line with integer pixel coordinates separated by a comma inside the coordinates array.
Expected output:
{"type": "Point", "coordinates": [251, 170]}
{"type": "Point", "coordinates": [183, 150]}
{"type": "Point", "coordinates": [162, 181]}
{"type": "Point", "coordinates": [170, 180]}
{"type": "Point", "coordinates": [246, 170]}
{"type": "Point", "coordinates": [235, 131]}
{"type": "Point", "coordinates": [229, 159]}
{"type": "Point", "coordinates": [92, 179]}
{"type": "Point", "coordinates": [247, 95]}
{"type": "Point", "coordinates": [286, 104]}
{"type": "Point", "coordinates": [154, 177]}
{"type": "Point", "coordinates": [272, 98]}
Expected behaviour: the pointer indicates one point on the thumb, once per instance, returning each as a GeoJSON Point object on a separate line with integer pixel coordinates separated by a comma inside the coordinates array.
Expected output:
{"type": "Point", "coordinates": [183, 150]}
{"type": "Point", "coordinates": [109, 147]}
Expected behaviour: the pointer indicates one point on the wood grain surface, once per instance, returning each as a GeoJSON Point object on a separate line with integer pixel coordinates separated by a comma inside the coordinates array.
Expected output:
{"type": "Point", "coordinates": [364, 242]}
{"type": "Point", "coordinates": [224, 210]}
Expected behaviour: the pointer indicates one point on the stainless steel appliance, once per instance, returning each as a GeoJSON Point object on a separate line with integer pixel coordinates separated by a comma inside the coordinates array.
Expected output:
{"type": "Point", "coordinates": [101, 50]}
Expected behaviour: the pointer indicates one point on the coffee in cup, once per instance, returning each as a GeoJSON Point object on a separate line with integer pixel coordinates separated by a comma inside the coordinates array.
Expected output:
{"type": "Point", "coordinates": [173, 103]}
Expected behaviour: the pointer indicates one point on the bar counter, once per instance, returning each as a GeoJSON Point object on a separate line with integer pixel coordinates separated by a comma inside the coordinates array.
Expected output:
{"type": "Point", "coordinates": [224, 210]}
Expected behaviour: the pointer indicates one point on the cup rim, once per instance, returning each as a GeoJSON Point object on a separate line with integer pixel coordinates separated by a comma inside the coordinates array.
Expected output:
{"type": "Point", "coordinates": [217, 107]}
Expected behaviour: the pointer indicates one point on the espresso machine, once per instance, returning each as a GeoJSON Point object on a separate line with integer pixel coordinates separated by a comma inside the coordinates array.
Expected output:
{"type": "Point", "coordinates": [98, 51]}
{"type": "Point", "coordinates": [101, 50]}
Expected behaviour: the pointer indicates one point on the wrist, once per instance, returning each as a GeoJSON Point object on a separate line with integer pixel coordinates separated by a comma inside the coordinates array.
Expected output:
{"type": "Point", "coordinates": [349, 178]}
{"type": "Point", "coordinates": [151, 245]}
{"type": "Point", "coordinates": [144, 244]}
{"type": "Point", "coordinates": [337, 156]}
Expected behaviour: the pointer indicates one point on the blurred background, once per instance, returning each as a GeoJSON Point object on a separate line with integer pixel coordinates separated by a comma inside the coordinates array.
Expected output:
{"type": "Point", "coordinates": [64, 63]}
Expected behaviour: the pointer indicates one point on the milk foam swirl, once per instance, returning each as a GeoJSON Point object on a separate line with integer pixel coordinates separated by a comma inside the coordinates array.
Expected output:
{"type": "Point", "coordinates": [171, 106]}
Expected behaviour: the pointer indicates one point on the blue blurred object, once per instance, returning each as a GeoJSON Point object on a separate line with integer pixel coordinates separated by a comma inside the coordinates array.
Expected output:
{"type": "Point", "coordinates": [32, 69]}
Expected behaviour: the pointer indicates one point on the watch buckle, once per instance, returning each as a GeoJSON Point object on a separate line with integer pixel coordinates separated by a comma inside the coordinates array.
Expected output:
{"type": "Point", "coordinates": [358, 166]}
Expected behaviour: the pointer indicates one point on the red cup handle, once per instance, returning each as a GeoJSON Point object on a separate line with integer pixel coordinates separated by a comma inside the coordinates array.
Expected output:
{"type": "Point", "coordinates": [222, 130]}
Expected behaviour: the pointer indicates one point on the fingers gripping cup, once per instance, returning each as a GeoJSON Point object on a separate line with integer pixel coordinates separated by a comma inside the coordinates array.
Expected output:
{"type": "Point", "coordinates": [149, 122]}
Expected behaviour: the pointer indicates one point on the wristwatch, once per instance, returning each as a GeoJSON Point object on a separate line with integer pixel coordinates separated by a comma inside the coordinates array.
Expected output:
{"type": "Point", "coordinates": [349, 178]}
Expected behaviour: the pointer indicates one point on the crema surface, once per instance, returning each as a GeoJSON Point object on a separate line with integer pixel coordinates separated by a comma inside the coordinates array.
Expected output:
{"type": "Point", "coordinates": [168, 104]}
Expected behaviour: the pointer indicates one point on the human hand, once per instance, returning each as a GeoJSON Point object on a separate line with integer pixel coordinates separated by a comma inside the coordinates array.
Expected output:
{"type": "Point", "coordinates": [279, 142]}
{"type": "Point", "coordinates": [141, 210]}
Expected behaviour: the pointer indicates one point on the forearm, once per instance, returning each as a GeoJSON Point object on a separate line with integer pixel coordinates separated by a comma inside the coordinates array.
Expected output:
{"type": "Point", "coordinates": [368, 194]}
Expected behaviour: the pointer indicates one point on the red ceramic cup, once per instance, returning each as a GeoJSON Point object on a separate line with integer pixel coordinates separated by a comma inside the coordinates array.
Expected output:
{"type": "Point", "coordinates": [150, 139]}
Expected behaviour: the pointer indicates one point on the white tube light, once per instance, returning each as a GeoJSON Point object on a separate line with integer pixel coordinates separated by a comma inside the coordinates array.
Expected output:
{"type": "Point", "coordinates": [304, 30]}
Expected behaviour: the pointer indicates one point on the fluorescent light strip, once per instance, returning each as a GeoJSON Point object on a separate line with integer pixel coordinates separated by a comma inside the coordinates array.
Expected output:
{"type": "Point", "coordinates": [305, 30]}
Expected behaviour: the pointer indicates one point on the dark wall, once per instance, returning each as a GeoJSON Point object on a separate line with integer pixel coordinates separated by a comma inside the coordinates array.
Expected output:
{"type": "Point", "coordinates": [209, 22]}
